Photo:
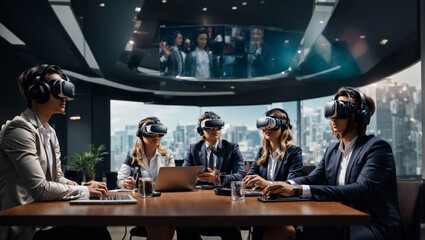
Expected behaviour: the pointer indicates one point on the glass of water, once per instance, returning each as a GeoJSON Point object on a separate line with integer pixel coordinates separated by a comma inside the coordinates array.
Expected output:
{"type": "Point", "coordinates": [238, 190]}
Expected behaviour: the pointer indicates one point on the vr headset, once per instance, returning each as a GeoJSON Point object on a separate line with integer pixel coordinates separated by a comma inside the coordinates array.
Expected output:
{"type": "Point", "coordinates": [338, 109]}
{"type": "Point", "coordinates": [212, 123]}
{"type": "Point", "coordinates": [272, 123]}
{"type": "Point", "coordinates": [149, 129]}
{"type": "Point", "coordinates": [62, 89]}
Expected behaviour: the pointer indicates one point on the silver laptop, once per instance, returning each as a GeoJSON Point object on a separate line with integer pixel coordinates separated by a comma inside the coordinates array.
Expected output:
{"type": "Point", "coordinates": [110, 199]}
{"type": "Point", "coordinates": [177, 178]}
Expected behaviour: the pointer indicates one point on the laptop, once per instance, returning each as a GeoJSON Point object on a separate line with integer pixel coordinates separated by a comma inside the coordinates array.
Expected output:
{"type": "Point", "coordinates": [110, 199]}
{"type": "Point", "coordinates": [177, 178]}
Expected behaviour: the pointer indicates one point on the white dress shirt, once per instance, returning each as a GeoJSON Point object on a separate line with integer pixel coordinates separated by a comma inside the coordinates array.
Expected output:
{"type": "Point", "coordinates": [152, 170]}
{"type": "Point", "coordinates": [202, 64]}
{"type": "Point", "coordinates": [271, 167]}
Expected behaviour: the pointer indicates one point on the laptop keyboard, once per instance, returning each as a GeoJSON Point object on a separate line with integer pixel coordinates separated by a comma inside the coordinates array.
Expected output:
{"type": "Point", "coordinates": [112, 197]}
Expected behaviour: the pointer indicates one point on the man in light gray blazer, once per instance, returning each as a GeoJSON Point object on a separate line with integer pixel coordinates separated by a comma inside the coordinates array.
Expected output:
{"type": "Point", "coordinates": [30, 167]}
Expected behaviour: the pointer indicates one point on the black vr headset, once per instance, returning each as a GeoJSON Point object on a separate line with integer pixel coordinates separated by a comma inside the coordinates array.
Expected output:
{"type": "Point", "coordinates": [40, 91]}
{"type": "Point", "coordinates": [212, 122]}
{"type": "Point", "coordinates": [149, 129]}
{"type": "Point", "coordinates": [342, 109]}
{"type": "Point", "coordinates": [273, 122]}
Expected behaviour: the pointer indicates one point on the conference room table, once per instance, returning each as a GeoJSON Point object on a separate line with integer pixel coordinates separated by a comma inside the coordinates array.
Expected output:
{"type": "Point", "coordinates": [193, 208]}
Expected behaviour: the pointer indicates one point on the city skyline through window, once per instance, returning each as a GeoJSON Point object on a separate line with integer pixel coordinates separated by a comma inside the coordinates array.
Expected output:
{"type": "Point", "coordinates": [396, 120]}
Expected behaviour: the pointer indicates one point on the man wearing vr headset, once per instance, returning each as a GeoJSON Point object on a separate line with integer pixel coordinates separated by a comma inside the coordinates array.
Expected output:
{"type": "Point", "coordinates": [358, 171]}
{"type": "Point", "coordinates": [30, 155]}
{"type": "Point", "coordinates": [218, 156]}
{"type": "Point", "coordinates": [144, 160]}
{"type": "Point", "coordinates": [277, 160]}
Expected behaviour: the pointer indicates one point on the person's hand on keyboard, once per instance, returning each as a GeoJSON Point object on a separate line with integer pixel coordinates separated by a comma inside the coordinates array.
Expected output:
{"type": "Point", "coordinates": [96, 188]}
{"type": "Point", "coordinates": [255, 181]}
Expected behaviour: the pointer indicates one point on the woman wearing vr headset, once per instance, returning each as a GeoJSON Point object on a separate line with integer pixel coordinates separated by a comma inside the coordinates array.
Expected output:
{"type": "Point", "coordinates": [277, 160]}
{"type": "Point", "coordinates": [30, 155]}
{"type": "Point", "coordinates": [144, 160]}
{"type": "Point", "coordinates": [358, 171]}
{"type": "Point", "coordinates": [219, 157]}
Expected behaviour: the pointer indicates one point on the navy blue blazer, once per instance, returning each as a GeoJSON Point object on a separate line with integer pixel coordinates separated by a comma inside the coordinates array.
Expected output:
{"type": "Point", "coordinates": [287, 168]}
{"type": "Point", "coordinates": [229, 159]}
{"type": "Point", "coordinates": [370, 183]}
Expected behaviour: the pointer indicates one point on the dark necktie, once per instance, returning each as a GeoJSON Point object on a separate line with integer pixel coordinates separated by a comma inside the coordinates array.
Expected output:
{"type": "Point", "coordinates": [211, 158]}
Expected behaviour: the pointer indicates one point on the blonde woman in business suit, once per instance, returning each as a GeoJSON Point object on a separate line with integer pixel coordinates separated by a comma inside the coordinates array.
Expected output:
{"type": "Point", "coordinates": [277, 160]}
{"type": "Point", "coordinates": [144, 160]}
{"type": "Point", "coordinates": [30, 166]}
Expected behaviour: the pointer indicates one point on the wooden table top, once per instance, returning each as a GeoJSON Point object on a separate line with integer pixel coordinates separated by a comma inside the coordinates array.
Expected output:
{"type": "Point", "coordinates": [197, 208]}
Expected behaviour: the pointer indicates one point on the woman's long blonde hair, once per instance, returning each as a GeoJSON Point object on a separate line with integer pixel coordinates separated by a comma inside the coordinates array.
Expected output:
{"type": "Point", "coordinates": [285, 139]}
{"type": "Point", "coordinates": [139, 146]}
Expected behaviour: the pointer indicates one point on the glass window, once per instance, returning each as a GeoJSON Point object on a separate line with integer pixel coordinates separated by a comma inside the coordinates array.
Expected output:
{"type": "Point", "coordinates": [397, 120]}
{"type": "Point", "coordinates": [182, 123]}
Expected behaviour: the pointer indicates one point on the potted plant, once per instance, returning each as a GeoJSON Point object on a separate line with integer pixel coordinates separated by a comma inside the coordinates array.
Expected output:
{"type": "Point", "coordinates": [86, 161]}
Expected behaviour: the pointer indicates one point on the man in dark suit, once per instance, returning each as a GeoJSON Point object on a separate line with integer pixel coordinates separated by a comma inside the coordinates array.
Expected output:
{"type": "Point", "coordinates": [218, 157]}
{"type": "Point", "coordinates": [358, 171]}
{"type": "Point", "coordinates": [258, 58]}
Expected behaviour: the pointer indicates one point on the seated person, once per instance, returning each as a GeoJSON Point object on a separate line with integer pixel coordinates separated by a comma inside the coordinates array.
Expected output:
{"type": "Point", "coordinates": [277, 160]}
{"type": "Point", "coordinates": [218, 156]}
{"type": "Point", "coordinates": [145, 160]}
{"type": "Point", "coordinates": [30, 166]}
{"type": "Point", "coordinates": [358, 171]}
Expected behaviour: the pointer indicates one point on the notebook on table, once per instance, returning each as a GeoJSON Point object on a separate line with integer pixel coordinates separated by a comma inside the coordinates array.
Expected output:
{"type": "Point", "coordinates": [177, 178]}
{"type": "Point", "coordinates": [110, 199]}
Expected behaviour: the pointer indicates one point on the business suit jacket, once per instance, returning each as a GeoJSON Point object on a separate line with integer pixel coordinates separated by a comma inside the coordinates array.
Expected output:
{"type": "Point", "coordinates": [229, 159]}
{"type": "Point", "coordinates": [127, 168]}
{"type": "Point", "coordinates": [190, 63]}
{"type": "Point", "coordinates": [23, 170]}
{"type": "Point", "coordinates": [287, 168]}
{"type": "Point", "coordinates": [172, 64]}
{"type": "Point", "coordinates": [370, 183]}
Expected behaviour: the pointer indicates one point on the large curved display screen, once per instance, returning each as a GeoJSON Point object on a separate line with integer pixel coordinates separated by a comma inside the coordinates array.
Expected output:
{"type": "Point", "coordinates": [221, 52]}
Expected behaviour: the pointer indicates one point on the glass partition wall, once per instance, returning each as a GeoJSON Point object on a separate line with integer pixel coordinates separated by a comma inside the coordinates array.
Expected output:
{"type": "Point", "coordinates": [396, 120]}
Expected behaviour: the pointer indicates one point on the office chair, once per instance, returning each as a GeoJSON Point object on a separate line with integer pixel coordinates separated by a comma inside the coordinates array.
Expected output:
{"type": "Point", "coordinates": [410, 198]}
{"type": "Point", "coordinates": [138, 231]}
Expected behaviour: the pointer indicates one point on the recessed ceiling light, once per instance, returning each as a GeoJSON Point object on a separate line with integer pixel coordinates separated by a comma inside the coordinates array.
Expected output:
{"type": "Point", "coordinates": [286, 41]}
{"type": "Point", "coordinates": [164, 1]}
{"type": "Point", "coordinates": [102, 5]}
{"type": "Point", "coordinates": [244, 3]}
{"type": "Point", "coordinates": [336, 39]}
{"type": "Point", "coordinates": [204, 86]}
{"type": "Point", "coordinates": [234, 8]}
{"type": "Point", "coordinates": [81, 17]}
{"type": "Point", "coordinates": [262, 2]}
{"type": "Point", "coordinates": [299, 51]}
{"type": "Point", "coordinates": [232, 87]}
{"type": "Point", "coordinates": [137, 9]}
{"type": "Point", "coordinates": [383, 41]}
{"type": "Point", "coordinates": [75, 117]}
{"type": "Point", "coordinates": [204, 9]}
{"type": "Point", "coordinates": [362, 36]}
{"type": "Point", "coordinates": [131, 42]}
{"type": "Point", "coordinates": [321, 21]}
